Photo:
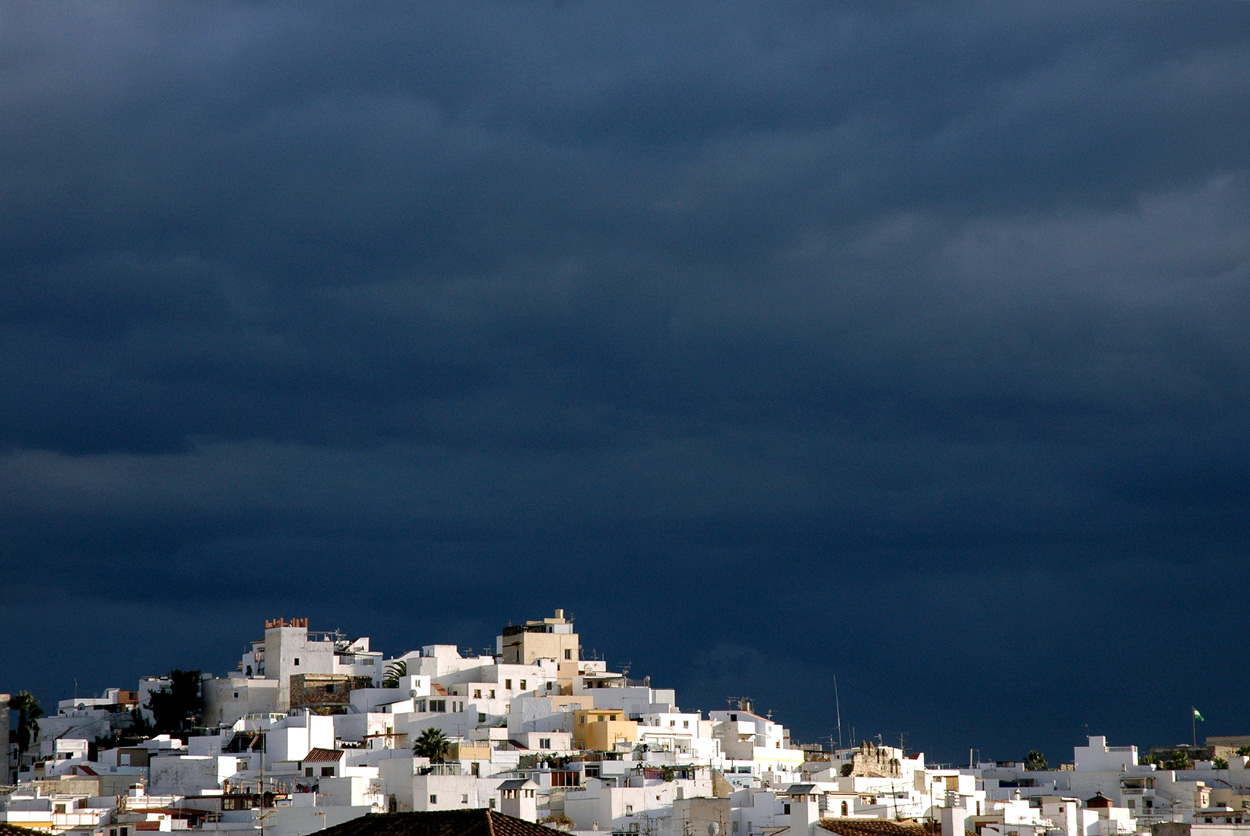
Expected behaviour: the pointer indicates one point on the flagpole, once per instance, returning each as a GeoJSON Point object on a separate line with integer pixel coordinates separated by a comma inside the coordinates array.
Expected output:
{"type": "Point", "coordinates": [1193, 722]}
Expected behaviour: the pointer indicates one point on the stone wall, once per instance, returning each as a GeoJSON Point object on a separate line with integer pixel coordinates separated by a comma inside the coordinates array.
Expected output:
{"type": "Point", "coordinates": [325, 691]}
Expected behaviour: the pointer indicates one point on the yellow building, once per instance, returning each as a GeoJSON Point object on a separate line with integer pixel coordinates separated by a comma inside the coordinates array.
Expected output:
{"type": "Point", "coordinates": [462, 750]}
{"type": "Point", "coordinates": [600, 729]}
{"type": "Point", "coordinates": [550, 638]}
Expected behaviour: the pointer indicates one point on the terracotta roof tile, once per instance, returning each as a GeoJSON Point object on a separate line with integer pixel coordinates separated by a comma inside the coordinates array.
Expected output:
{"type": "Point", "coordinates": [7, 829]}
{"type": "Point", "coordinates": [877, 827]}
{"type": "Point", "coordinates": [323, 756]}
{"type": "Point", "coordinates": [481, 822]}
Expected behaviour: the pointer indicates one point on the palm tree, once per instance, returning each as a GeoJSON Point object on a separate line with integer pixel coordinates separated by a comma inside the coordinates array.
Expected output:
{"type": "Point", "coordinates": [28, 710]}
{"type": "Point", "coordinates": [432, 744]}
{"type": "Point", "coordinates": [394, 671]}
{"type": "Point", "coordinates": [1035, 761]}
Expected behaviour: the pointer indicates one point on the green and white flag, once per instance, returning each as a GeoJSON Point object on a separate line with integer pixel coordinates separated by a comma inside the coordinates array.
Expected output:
{"type": "Point", "coordinates": [1198, 715]}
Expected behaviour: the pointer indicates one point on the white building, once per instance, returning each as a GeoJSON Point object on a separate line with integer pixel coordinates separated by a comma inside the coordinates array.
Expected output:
{"type": "Point", "coordinates": [289, 648]}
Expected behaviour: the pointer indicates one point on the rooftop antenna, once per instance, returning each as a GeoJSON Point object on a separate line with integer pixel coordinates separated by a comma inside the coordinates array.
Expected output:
{"type": "Point", "coordinates": [837, 705]}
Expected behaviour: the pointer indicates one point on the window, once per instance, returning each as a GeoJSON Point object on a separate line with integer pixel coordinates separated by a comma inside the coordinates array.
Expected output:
{"type": "Point", "coordinates": [236, 695]}
{"type": "Point", "coordinates": [492, 804]}
{"type": "Point", "coordinates": [464, 798]}
{"type": "Point", "coordinates": [296, 660]}
{"type": "Point", "coordinates": [308, 772]}
{"type": "Point", "coordinates": [477, 693]}
{"type": "Point", "coordinates": [522, 684]}
{"type": "Point", "coordinates": [786, 808]}
{"type": "Point", "coordinates": [685, 724]}
{"type": "Point", "coordinates": [438, 705]}
{"type": "Point", "coordinates": [629, 809]}
{"type": "Point", "coordinates": [433, 799]}
{"type": "Point", "coordinates": [327, 772]}
{"type": "Point", "coordinates": [568, 654]}
{"type": "Point", "coordinates": [492, 693]}
{"type": "Point", "coordinates": [481, 716]}
{"type": "Point", "coordinates": [544, 743]}
{"type": "Point", "coordinates": [735, 827]}
{"type": "Point", "coordinates": [507, 683]}
{"type": "Point", "coordinates": [475, 769]}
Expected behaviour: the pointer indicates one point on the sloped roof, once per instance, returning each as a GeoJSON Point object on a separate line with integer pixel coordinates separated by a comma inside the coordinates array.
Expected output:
{"type": "Point", "coordinates": [876, 827]}
{"type": "Point", "coordinates": [518, 784]}
{"type": "Point", "coordinates": [7, 829]}
{"type": "Point", "coordinates": [481, 822]}
{"type": "Point", "coordinates": [323, 756]}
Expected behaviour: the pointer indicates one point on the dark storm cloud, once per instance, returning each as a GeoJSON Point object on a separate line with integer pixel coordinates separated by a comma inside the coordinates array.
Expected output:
{"type": "Point", "coordinates": [893, 343]}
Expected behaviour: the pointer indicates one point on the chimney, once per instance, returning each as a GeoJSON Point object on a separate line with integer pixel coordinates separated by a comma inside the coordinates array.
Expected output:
{"type": "Point", "coordinates": [519, 801]}
{"type": "Point", "coordinates": [804, 814]}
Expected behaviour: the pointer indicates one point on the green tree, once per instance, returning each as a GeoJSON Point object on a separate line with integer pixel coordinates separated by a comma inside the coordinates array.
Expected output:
{"type": "Point", "coordinates": [1243, 751]}
{"type": "Point", "coordinates": [1035, 761]}
{"type": "Point", "coordinates": [394, 671]}
{"type": "Point", "coordinates": [178, 708]}
{"type": "Point", "coordinates": [432, 744]}
{"type": "Point", "coordinates": [28, 713]}
{"type": "Point", "coordinates": [1220, 763]}
{"type": "Point", "coordinates": [1179, 759]}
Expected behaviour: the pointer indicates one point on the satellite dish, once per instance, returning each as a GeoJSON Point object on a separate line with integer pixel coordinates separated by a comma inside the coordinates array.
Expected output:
{"type": "Point", "coordinates": [713, 829]}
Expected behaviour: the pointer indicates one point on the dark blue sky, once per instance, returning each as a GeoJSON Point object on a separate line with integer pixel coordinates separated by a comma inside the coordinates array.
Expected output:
{"type": "Point", "coordinates": [902, 343]}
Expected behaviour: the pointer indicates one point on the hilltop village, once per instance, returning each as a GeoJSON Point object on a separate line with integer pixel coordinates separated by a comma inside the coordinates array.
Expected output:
{"type": "Point", "coordinates": [315, 730]}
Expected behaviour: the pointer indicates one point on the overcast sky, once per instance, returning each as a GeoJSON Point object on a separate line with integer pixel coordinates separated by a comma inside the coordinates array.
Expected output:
{"type": "Point", "coordinates": [902, 343]}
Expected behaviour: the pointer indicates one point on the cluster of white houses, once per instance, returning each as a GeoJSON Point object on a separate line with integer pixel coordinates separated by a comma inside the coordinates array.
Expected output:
{"type": "Point", "coordinates": [314, 729]}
